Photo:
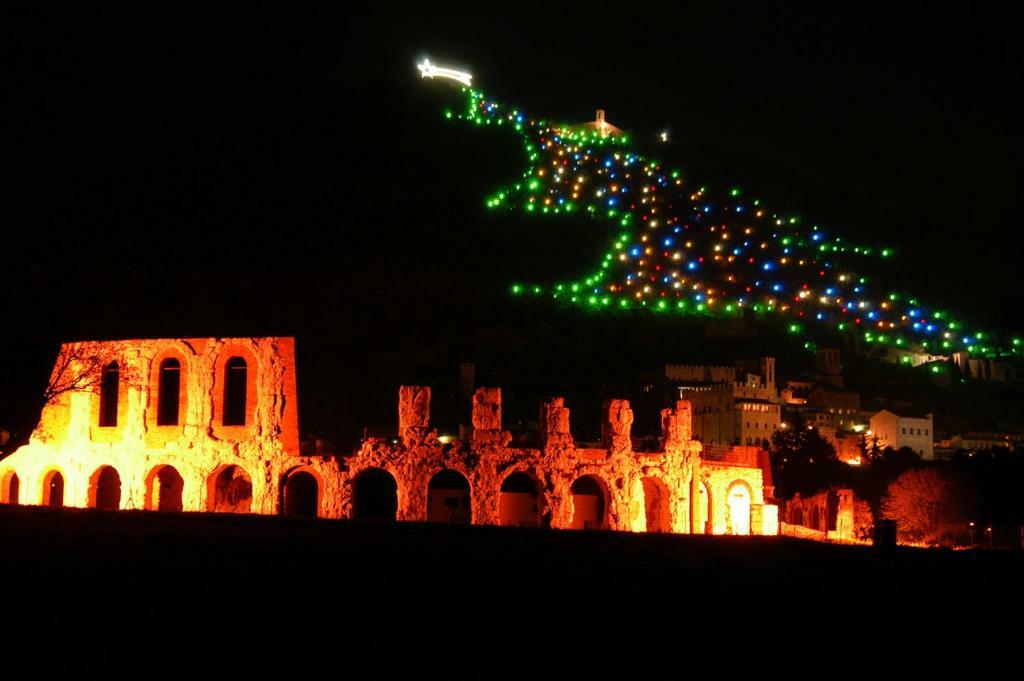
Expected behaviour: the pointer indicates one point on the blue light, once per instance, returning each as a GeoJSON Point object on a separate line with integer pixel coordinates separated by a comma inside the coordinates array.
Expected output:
{"type": "Point", "coordinates": [668, 242]}
{"type": "Point", "coordinates": [767, 266]}
{"type": "Point", "coordinates": [635, 252]}
{"type": "Point", "coordinates": [692, 265]}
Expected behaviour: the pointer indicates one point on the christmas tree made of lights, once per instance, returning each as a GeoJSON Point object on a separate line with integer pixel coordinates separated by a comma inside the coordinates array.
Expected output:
{"type": "Point", "coordinates": [678, 248]}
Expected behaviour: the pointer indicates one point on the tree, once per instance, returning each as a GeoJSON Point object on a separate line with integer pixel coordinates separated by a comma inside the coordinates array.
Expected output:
{"type": "Point", "coordinates": [803, 460]}
{"type": "Point", "coordinates": [78, 368]}
{"type": "Point", "coordinates": [800, 443]}
{"type": "Point", "coordinates": [919, 501]}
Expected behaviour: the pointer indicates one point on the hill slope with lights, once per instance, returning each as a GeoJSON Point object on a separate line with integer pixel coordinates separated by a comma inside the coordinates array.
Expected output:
{"type": "Point", "coordinates": [675, 247]}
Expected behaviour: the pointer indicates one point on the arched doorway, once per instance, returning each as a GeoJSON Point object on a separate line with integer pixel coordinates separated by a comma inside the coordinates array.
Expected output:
{"type": "Point", "coordinates": [301, 495]}
{"type": "Point", "coordinates": [230, 491]}
{"type": "Point", "coordinates": [11, 488]}
{"type": "Point", "coordinates": [105, 489]}
{"type": "Point", "coordinates": [448, 498]}
{"type": "Point", "coordinates": [519, 502]}
{"type": "Point", "coordinates": [656, 508]}
{"type": "Point", "coordinates": [374, 495]}
{"type": "Point", "coordinates": [704, 510]}
{"type": "Point", "coordinates": [164, 489]}
{"type": "Point", "coordinates": [739, 509]}
{"type": "Point", "coordinates": [590, 504]}
{"type": "Point", "coordinates": [53, 490]}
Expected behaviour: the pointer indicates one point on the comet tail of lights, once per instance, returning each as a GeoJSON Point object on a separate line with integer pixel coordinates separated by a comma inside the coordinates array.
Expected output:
{"type": "Point", "coordinates": [428, 70]}
{"type": "Point", "coordinates": [676, 247]}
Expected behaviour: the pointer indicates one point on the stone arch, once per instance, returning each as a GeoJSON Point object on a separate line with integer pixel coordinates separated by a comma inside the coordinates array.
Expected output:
{"type": "Point", "coordinates": [236, 377]}
{"type": "Point", "coordinates": [228, 415]}
{"type": "Point", "coordinates": [10, 488]}
{"type": "Point", "coordinates": [53, 489]}
{"type": "Point", "coordinates": [815, 517]}
{"type": "Point", "coordinates": [739, 500]}
{"type": "Point", "coordinates": [301, 493]}
{"type": "Point", "coordinates": [590, 503]}
{"type": "Point", "coordinates": [705, 506]}
{"type": "Point", "coordinates": [105, 489]}
{"type": "Point", "coordinates": [110, 388]}
{"type": "Point", "coordinates": [797, 516]}
{"type": "Point", "coordinates": [657, 510]}
{"type": "Point", "coordinates": [164, 489]}
{"type": "Point", "coordinates": [520, 501]}
{"type": "Point", "coordinates": [374, 495]}
{"type": "Point", "coordinates": [169, 379]}
{"type": "Point", "coordinates": [449, 498]}
{"type": "Point", "coordinates": [229, 490]}
{"type": "Point", "coordinates": [831, 511]}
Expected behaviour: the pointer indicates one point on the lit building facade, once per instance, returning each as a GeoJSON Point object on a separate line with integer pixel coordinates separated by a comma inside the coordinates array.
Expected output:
{"type": "Point", "coordinates": [735, 412]}
{"type": "Point", "coordinates": [903, 430]}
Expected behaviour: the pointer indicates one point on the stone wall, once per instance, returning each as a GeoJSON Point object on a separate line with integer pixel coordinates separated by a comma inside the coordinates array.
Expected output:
{"type": "Point", "coordinates": [202, 464]}
{"type": "Point", "coordinates": [832, 515]}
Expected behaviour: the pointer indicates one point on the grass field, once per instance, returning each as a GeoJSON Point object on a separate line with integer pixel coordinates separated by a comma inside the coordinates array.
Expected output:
{"type": "Point", "coordinates": [141, 593]}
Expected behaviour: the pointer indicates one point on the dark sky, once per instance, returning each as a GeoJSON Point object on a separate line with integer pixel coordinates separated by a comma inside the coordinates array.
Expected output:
{"type": "Point", "coordinates": [259, 172]}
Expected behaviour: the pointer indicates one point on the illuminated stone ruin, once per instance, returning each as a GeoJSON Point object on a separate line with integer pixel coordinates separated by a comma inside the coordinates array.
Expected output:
{"type": "Point", "coordinates": [212, 425]}
{"type": "Point", "coordinates": [829, 515]}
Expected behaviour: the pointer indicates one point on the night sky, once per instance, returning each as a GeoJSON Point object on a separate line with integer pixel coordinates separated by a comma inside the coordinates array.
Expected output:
{"type": "Point", "coordinates": [262, 173]}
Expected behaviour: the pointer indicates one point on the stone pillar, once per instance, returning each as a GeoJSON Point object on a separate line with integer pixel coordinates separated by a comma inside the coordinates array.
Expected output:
{"type": "Point", "coordinates": [684, 420]}
{"type": "Point", "coordinates": [616, 425]}
{"type": "Point", "coordinates": [413, 413]}
{"type": "Point", "coordinates": [487, 415]}
{"type": "Point", "coordinates": [554, 424]}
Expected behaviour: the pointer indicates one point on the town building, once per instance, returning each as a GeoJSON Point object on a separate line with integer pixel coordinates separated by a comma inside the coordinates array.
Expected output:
{"type": "Point", "coordinates": [904, 429]}
{"type": "Point", "coordinates": [739, 410]}
{"type": "Point", "coordinates": [211, 424]}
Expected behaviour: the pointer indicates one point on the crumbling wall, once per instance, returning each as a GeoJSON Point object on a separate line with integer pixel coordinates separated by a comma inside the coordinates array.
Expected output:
{"type": "Point", "coordinates": [648, 491]}
{"type": "Point", "coordinates": [830, 515]}
{"type": "Point", "coordinates": [70, 440]}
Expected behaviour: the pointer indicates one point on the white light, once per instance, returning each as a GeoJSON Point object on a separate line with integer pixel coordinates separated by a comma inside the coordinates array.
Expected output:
{"type": "Point", "coordinates": [428, 70]}
{"type": "Point", "coordinates": [664, 136]}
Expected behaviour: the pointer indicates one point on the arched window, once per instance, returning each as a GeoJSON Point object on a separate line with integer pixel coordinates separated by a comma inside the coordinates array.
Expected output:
{"type": "Point", "coordinates": [170, 393]}
{"type": "Point", "coordinates": [235, 379]}
{"type": "Point", "coordinates": [109, 385]}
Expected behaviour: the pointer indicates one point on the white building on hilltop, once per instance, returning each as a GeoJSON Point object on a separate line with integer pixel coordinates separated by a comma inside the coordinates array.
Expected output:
{"type": "Point", "coordinates": [904, 430]}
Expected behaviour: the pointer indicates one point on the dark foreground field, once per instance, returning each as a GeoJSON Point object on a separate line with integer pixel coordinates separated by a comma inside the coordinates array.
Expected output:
{"type": "Point", "coordinates": [150, 595]}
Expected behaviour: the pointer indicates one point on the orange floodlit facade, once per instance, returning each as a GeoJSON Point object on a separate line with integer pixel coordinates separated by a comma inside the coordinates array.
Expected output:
{"type": "Point", "coordinates": [211, 424]}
